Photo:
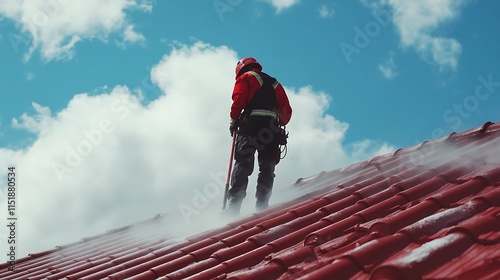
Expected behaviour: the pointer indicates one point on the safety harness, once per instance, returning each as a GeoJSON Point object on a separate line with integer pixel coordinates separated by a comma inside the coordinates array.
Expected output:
{"type": "Point", "coordinates": [265, 104]}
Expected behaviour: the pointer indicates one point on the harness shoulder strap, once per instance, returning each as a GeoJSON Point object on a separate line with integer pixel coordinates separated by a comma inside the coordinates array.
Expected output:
{"type": "Point", "coordinates": [264, 101]}
{"type": "Point", "coordinates": [259, 78]}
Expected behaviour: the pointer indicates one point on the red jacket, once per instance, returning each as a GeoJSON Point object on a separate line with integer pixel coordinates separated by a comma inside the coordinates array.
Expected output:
{"type": "Point", "coordinates": [244, 89]}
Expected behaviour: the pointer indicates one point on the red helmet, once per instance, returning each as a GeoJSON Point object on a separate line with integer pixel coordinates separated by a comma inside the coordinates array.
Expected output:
{"type": "Point", "coordinates": [245, 62]}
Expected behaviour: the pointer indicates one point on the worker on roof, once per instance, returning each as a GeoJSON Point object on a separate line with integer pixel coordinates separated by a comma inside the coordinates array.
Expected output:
{"type": "Point", "coordinates": [259, 110]}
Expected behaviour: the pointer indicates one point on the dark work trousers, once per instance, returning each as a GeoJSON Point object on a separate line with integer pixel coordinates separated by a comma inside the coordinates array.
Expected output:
{"type": "Point", "coordinates": [257, 134]}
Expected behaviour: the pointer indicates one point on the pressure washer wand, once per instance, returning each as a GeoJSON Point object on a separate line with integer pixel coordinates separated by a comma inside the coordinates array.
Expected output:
{"type": "Point", "coordinates": [226, 189]}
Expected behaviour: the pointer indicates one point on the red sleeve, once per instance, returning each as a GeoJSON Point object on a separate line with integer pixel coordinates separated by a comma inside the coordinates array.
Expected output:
{"type": "Point", "coordinates": [285, 109]}
{"type": "Point", "coordinates": [244, 88]}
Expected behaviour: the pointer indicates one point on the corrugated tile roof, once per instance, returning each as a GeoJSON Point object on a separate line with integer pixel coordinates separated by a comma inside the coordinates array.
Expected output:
{"type": "Point", "coordinates": [431, 211]}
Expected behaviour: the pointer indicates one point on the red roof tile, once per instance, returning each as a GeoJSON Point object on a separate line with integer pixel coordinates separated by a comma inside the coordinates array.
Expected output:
{"type": "Point", "coordinates": [431, 211]}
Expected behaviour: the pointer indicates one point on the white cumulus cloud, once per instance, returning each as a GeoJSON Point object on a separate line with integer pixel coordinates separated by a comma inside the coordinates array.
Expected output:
{"type": "Point", "coordinates": [326, 11]}
{"type": "Point", "coordinates": [34, 123]}
{"type": "Point", "coordinates": [388, 67]}
{"type": "Point", "coordinates": [280, 5]}
{"type": "Point", "coordinates": [418, 22]}
{"type": "Point", "coordinates": [108, 160]}
{"type": "Point", "coordinates": [55, 27]}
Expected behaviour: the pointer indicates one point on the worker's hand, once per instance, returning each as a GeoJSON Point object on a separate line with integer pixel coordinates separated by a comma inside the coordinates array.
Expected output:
{"type": "Point", "coordinates": [233, 126]}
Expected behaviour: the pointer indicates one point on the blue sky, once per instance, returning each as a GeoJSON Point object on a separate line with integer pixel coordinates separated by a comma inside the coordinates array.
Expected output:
{"type": "Point", "coordinates": [142, 88]}
{"type": "Point", "coordinates": [296, 44]}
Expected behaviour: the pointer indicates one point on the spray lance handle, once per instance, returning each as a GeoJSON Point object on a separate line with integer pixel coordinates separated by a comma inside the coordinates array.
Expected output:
{"type": "Point", "coordinates": [234, 126]}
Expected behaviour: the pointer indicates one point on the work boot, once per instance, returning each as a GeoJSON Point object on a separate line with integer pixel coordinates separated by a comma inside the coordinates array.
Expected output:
{"type": "Point", "coordinates": [233, 208]}
{"type": "Point", "coordinates": [262, 195]}
{"type": "Point", "coordinates": [230, 213]}
{"type": "Point", "coordinates": [261, 205]}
